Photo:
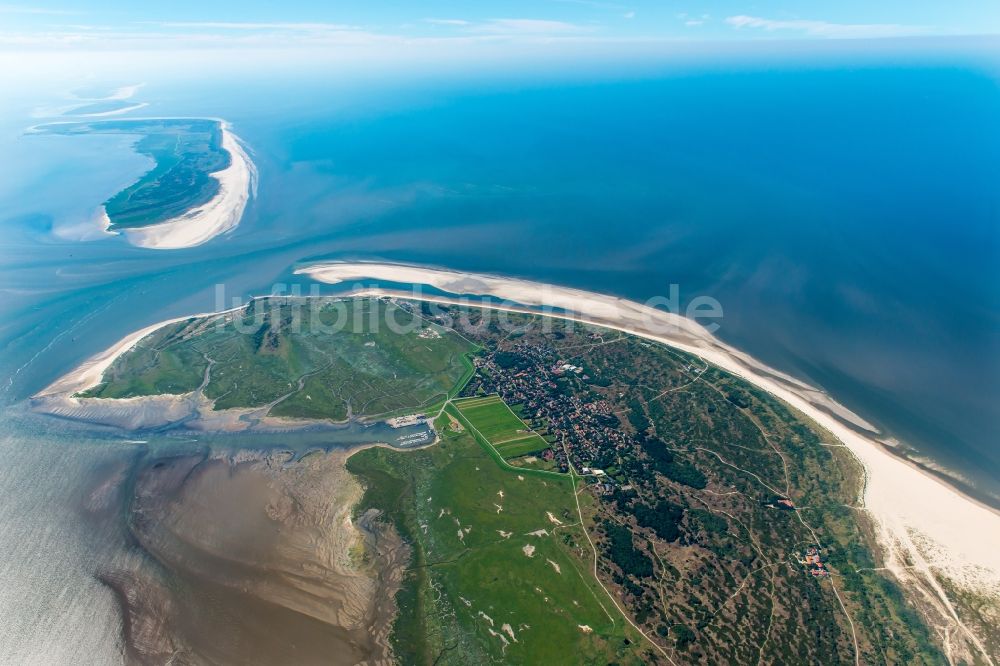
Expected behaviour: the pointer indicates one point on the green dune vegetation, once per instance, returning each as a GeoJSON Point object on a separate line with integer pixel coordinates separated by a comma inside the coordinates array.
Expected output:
{"type": "Point", "coordinates": [502, 569]}
{"type": "Point", "coordinates": [493, 420]}
{"type": "Point", "coordinates": [185, 151]}
{"type": "Point", "coordinates": [592, 497]}
{"type": "Point", "coordinates": [723, 526]}
{"type": "Point", "coordinates": [321, 359]}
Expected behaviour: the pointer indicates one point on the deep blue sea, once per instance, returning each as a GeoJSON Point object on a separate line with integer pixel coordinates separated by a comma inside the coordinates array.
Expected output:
{"type": "Point", "coordinates": [847, 218]}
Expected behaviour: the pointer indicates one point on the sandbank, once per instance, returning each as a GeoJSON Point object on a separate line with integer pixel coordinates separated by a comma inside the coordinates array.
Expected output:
{"type": "Point", "coordinates": [113, 112]}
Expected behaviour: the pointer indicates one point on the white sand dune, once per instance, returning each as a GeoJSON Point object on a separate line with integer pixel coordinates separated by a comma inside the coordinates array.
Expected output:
{"type": "Point", "coordinates": [237, 183]}
{"type": "Point", "coordinates": [922, 519]}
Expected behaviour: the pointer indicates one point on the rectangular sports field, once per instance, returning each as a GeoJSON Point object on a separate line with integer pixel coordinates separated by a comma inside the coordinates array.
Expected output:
{"type": "Point", "coordinates": [495, 421]}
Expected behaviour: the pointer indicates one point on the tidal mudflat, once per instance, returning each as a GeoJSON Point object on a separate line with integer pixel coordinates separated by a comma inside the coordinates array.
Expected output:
{"type": "Point", "coordinates": [253, 557]}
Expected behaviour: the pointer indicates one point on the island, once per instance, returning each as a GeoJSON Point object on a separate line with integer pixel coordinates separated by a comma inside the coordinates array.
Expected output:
{"type": "Point", "coordinates": [198, 187]}
{"type": "Point", "coordinates": [587, 495]}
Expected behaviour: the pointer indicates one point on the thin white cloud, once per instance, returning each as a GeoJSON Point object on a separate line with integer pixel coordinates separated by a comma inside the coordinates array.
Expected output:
{"type": "Point", "coordinates": [455, 22]}
{"type": "Point", "coordinates": [229, 25]}
{"type": "Point", "coordinates": [260, 35]}
{"type": "Point", "coordinates": [166, 36]}
{"type": "Point", "coordinates": [514, 27]}
{"type": "Point", "coordinates": [825, 28]}
{"type": "Point", "coordinates": [529, 27]}
{"type": "Point", "coordinates": [592, 3]}
{"type": "Point", "coordinates": [22, 9]}
{"type": "Point", "coordinates": [629, 15]}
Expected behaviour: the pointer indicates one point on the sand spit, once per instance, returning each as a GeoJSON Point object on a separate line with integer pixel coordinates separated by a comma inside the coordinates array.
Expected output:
{"type": "Point", "coordinates": [89, 373]}
{"type": "Point", "coordinates": [113, 112]}
{"type": "Point", "coordinates": [192, 410]}
{"type": "Point", "coordinates": [60, 398]}
{"type": "Point", "coordinates": [118, 94]}
{"type": "Point", "coordinates": [96, 227]}
{"type": "Point", "coordinates": [922, 521]}
{"type": "Point", "coordinates": [237, 183]}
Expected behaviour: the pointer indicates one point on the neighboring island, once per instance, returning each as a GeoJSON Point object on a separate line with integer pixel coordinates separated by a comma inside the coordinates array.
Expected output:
{"type": "Point", "coordinates": [197, 189]}
{"type": "Point", "coordinates": [591, 497]}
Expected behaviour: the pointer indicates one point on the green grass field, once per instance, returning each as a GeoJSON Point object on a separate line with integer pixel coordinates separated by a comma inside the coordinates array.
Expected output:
{"type": "Point", "coordinates": [495, 421]}
{"type": "Point", "coordinates": [501, 568]}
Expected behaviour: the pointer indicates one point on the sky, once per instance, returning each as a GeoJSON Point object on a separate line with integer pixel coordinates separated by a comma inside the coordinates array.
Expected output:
{"type": "Point", "coordinates": [126, 24]}
{"type": "Point", "coordinates": [49, 40]}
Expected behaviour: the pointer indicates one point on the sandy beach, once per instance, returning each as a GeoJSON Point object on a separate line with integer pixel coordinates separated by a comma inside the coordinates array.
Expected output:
{"type": "Point", "coordinates": [237, 183]}
{"type": "Point", "coordinates": [60, 398]}
{"type": "Point", "coordinates": [89, 373]}
{"type": "Point", "coordinates": [929, 529]}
